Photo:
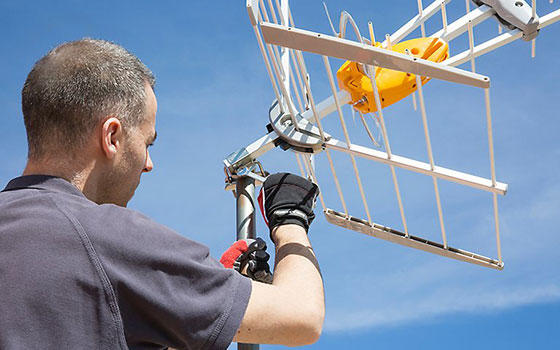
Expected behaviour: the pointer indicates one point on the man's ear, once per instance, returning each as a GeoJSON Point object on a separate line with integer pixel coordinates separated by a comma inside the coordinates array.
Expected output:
{"type": "Point", "coordinates": [111, 137]}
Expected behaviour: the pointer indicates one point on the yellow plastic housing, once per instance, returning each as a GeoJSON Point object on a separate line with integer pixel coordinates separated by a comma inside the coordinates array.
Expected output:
{"type": "Point", "coordinates": [392, 85]}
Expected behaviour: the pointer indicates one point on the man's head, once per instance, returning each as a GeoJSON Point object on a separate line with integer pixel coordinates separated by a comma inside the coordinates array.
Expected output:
{"type": "Point", "coordinates": [93, 99]}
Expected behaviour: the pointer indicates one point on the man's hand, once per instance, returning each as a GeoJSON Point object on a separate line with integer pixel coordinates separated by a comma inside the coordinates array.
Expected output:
{"type": "Point", "coordinates": [288, 199]}
{"type": "Point", "coordinates": [249, 257]}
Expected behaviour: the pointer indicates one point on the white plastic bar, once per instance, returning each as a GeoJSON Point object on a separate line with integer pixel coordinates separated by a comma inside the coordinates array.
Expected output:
{"type": "Point", "coordinates": [388, 41]}
{"type": "Point", "coordinates": [278, 56]}
{"type": "Point", "coordinates": [267, 64]}
{"type": "Point", "coordinates": [443, 16]}
{"type": "Point", "coordinates": [299, 164]}
{"type": "Point", "coordinates": [431, 156]}
{"type": "Point", "coordinates": [286, 53]}
{"type": "Point", "coordinates": [467, 5]}
{"type": "Point", "coordinates": [276, 80]}
{"type": "Point", "coordinates": [345, 130]}
{"type": "Point", "coordinates": [422, 29]}
{"type": "Point", "coordinates": [274, 48]}
{"type": "Point", "coordinates": [292, 23]}
{"type": "Point", "coordinates": [414, 100]}
{"type": "Point", "coordinates": [285, 60]}
{"type": "Point", "coordinates": [415, 22]}
{"type": "Point", "coordinates": [267, 142]}
{"type": "Point", "coordinates": [371, 75]}
{"type": "Point", "coordinates": [328, 106]}
{"type": "Point", "coordinates": [490, 133]}
{"type": "Point", "coordinates": [285, 93]}
{"type": "Point", "coordinates": [272, 12]}
{"type": "Point", "coordinates": [309, 167]}
{"type": "Point", "coordinates": [284, 11]}
{"type": "Point", "coordinates": [279, 60]}
{"type": "Point", "coordinates": [458, 27]}
{"type": "Point", "coordinates": [337, 183]}
{"type": "Point", "coordinates": [497, 227]}
{"type": "Point", "coordinates": [303, 69]}
{"type": "Point", "coordinates": [327, 45]}
{"type": "Point", "coordinates": [417, 166]}
{"type": "Point", "coordinates": [440, 213]}
{"type": "Point", "coordinates": [500, 41]}
{"type": "Point", "coordinates": [471, 46]}
{"type": "Point", "coordinates": [317, 118]}
{"type": "Point", "coordinates": [294, 87]}
{"type": "Point", "coordinates": [425, 121]}
{"type": "Point", "coordinates": [548, 19]}
{"type": "Point", "coordinates": [492, 169]}
{"type": "Point", "coordinates": [485, 47]}
{"type": "Point", "coordinates": [287, 67]}
{"type": "Point", "coordinates": [371, 33]}
{"type": "Point", "coordinates": [276, 64]}
{"type": "Point", "coordinates": [534, 41]}
{"type": "Point", "coordinates": [307, 172]}
{"type": "Point", "coordinates": [275, 19]}
{"type": "Point", "coordinates": [297, 70]}
{"type": "Point", "coordinates": [399, 199]}
{"type": "Point", "coordinates": [300, 81]}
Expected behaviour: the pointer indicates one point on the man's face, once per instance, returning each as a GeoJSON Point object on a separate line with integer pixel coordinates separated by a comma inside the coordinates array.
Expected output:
{"type": "Point", "coordinates": [124, 178]}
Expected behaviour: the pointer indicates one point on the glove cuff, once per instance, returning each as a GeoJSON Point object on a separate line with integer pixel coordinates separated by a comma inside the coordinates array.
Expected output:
{"type": "Point", "coordinates": [289, 216]}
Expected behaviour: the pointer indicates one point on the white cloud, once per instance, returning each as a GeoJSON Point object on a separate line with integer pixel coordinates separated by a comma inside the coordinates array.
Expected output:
{"type": "Point", "coordinates": [441, 303]}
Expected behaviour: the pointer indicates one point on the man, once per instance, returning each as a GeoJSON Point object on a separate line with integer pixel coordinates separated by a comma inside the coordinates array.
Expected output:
{"type": "Point", "coordinates": [80, 270]}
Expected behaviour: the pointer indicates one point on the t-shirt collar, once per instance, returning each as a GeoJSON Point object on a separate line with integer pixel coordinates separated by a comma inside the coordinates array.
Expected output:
{"type": "Point", "coordinates": [43, 182]}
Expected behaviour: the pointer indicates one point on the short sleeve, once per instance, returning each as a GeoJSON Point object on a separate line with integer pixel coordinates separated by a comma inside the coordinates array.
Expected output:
{"type": "Point", "coordinates": [169, 290]}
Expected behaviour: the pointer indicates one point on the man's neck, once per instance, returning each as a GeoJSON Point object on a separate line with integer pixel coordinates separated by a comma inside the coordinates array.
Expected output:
{"type": "Point", "coordinates": [76, 176]}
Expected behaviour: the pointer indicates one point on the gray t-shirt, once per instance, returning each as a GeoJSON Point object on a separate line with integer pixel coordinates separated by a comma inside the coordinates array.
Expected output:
{"type": "Point", "coordinates": [77, 275]}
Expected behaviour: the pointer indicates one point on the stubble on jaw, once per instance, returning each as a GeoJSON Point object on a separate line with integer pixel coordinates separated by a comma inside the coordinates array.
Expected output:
{"type": "Point", "coordinates": [118, 185]}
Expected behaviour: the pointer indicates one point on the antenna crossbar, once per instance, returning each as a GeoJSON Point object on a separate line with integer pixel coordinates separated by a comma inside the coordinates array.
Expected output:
{"type": "Point", "coordinates": [327, 45]}
{"type": "Point", "coordinates": [415, 22]}
{"type": "Point", "coordinates": [499, 41]}
{"type": "Point", "coordinates": [394, 236]}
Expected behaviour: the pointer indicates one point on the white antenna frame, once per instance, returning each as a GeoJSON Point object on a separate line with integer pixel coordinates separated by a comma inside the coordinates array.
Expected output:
{"type": "Point", "coordinates": [271, 34]}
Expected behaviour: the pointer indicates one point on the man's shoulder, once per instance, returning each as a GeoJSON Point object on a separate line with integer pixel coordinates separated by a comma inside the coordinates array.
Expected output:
{"type": "Point", "coordinates": [112, 223]}
{"type": "Point", "coordinates": [107, 215]}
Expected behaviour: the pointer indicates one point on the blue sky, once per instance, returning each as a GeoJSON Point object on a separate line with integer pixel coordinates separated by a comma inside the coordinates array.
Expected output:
{"type": "Point", "coordinates": [213, 95]}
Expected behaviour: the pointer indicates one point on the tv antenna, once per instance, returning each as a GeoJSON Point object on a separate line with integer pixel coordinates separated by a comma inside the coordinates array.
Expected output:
{"type": "Point", "coordinates": [399, 69]}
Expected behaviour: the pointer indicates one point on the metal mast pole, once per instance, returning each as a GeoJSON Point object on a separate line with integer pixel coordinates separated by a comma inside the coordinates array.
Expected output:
{"type": "Point", "coordinates": [246, 228]}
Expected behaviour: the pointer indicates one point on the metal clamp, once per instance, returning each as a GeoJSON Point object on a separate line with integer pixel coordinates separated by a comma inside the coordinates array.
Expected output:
{"type": "Point", "coordinates": [254, 170]}
{"type": "Point", "coordinates": [515, 14]}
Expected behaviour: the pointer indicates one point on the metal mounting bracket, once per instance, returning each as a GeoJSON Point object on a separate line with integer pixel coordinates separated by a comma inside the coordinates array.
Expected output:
{"type": "Point", "coordinates": [305, 138]}
{"type": "Point", "coordinates": [253, 170]}
{"type": "Point", "coordinates": [515, 14]}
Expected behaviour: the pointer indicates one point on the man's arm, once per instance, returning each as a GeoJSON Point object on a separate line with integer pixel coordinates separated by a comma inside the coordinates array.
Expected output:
{"type": "Point", "coordinates": [291, 310]}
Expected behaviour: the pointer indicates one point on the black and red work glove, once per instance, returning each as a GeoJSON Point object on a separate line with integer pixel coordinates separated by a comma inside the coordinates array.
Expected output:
{"type": "Point", "coordinates": [249, 256]}
{"type": "Point", "coordinates": [288, 199]}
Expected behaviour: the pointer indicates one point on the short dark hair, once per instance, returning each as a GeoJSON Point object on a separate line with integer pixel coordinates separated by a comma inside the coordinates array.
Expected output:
{"type": "Point", "coordinates": [76, 84]}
